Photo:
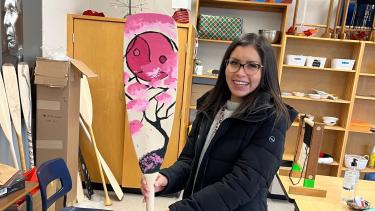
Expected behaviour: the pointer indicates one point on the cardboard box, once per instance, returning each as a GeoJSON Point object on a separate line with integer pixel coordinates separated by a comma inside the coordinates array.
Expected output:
{"type": "Point", "coordinates": [57, 124]}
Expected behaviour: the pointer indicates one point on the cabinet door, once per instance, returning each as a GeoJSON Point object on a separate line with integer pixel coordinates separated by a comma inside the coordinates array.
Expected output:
{"type": "Point", "coordinates": [99, 44]}
{"type": "Point", "coordinates": [131, 171]}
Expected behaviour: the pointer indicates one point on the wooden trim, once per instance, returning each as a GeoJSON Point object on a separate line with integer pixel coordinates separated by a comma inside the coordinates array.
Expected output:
{"type": "Point", "coordinates": [245, 5]}
{"type": "Point", "coordinates": [69, 36]}
{"type": "Point", "coordinates": [297, 190]}
{"type": "Point", "coordinates": [187, 88]}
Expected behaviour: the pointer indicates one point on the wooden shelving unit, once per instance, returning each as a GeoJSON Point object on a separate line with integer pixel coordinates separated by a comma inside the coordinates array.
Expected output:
{"type": "Point", "coordinates": [355, 89]}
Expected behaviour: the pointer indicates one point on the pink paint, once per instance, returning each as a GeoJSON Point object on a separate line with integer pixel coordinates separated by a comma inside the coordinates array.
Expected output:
{"type": "Point", "coordinates": [151, 55]}
{"type": "Point", "coordinates": [138, 90]}
{"type": "Point", "coordinates": [138, 105]}
{"type": "Point", "coordinates": [164, 98]}
{"type": "Point", "coordinates": [135, 126]}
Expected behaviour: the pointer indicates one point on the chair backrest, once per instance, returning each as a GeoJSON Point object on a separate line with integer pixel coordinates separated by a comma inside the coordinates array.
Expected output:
{"type": "Point", "coordinates": [47, 173]}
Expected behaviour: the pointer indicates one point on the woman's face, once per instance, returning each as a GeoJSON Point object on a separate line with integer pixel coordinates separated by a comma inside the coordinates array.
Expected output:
{"type": "Point", "coordinates": [10, 19]}
{"type": "Point", "coordinates": [243, 72]}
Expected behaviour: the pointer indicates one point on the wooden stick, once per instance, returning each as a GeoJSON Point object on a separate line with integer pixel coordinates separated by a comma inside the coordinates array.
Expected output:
{"type": "Point", "coordinates": [11, 88]}
{"type": "Point", "coordinates": [5, 122]}
{"type": "Point", "coordinates": [327, 33]}
{"type": "Point", "coordinates": [86, 112]}
{"type": "Point", "coordinates": [338, 13]}
{"type": "Point", "coordinates": [295, 16]}
{"type": "Point", "coordinates": [112, 180]}
{"type": "Point", "coordinates": [25, 95]}
{"type": "Point", "coordinates": [150, 179]}
{"type": "Point", "coordinates": [343, 19]}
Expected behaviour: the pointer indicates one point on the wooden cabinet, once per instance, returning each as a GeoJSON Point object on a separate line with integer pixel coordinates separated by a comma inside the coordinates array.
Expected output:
{"type": "Point", "coordinates": [352, 87]}
{"type": "Point", "coordinates": [99, 43]}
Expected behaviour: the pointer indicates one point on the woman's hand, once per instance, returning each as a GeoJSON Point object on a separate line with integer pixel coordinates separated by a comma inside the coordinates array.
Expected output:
{"type": "Point", "coordinates": [160, 183]}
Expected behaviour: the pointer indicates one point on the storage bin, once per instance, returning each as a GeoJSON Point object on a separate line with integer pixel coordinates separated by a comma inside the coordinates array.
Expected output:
{"type": "Point", "coordinates": [344, 64]}
{"type": "Point", "coordinates": [312, 61]}
{"type": "Point", "coordinates": [297, 60]}
{"type": "Point", "coordinates": [219, 27]}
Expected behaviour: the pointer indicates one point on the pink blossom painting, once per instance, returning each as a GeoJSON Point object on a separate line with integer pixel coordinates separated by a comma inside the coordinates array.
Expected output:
{"type": "Point", "coordinates": [150, 79]}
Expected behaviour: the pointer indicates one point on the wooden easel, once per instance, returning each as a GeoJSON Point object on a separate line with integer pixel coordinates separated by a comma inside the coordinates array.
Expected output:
{"type": "Point", "coordinates": [309, 172]}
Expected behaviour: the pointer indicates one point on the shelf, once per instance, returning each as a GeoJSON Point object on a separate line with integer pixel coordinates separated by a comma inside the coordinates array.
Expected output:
{"type": "Point", "coordinates": [366, 170]}
{"type": "Point", "coordinates": [326, 127]}
{"type": "Point", "coordinates": [205, 76]}
{"type": "Point", "coordinates": [317, 68]}
{"type": "Point", "coordinates": [245, 5]}
{"type": "Point", "coordinates": [364, 97]}
{"type": "Point", "coordinates": [367, 74]}
{"type": "Point", "coordinates": [322, 39]}
{"type": "Point", "coordinates": [229, 42]}
{"type": "Point", "coordinates": [334, 163]}
{"type": "Point", "coordinates": [317, 100]}
{"type": "Point", "coordinates": [361, 128]}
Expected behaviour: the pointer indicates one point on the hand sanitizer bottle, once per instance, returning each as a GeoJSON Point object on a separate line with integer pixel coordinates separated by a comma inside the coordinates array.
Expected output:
{"type": "Point", "coordinates": [350, 181]}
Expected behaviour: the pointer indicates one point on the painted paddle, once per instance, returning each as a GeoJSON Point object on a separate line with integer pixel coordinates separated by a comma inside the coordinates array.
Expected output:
{"type": "Point", "coordinates": [5, 123]}
{"type": "Point", "coordinates": [150, 77]}
{"type": "Point", "coordinates": [25, 95]}
{"type": "Point", "coordinates": [85, 111]}
{"type": "Point", "coordinates": [11, 88]}
{"type": "Point", "coordinates": [111, 178]}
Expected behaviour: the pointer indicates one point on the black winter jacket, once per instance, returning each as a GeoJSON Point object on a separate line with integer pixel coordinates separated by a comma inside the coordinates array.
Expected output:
{"type": "Point", "coordinates": [238, 166]}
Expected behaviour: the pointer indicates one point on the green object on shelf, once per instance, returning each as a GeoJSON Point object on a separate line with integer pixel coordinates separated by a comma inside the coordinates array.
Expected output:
{"type": "Point", "coordinates": [296, 167]}
{"type": "Point", "coordinates": [308, 183]}
{"type": "Point", "coordinates": [219, 27]}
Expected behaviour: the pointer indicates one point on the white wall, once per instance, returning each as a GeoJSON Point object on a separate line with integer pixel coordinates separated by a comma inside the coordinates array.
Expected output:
{"type": "Point", "coordinates": [54, 20]}
{"type": "Point", "coordinates": [54, 14]}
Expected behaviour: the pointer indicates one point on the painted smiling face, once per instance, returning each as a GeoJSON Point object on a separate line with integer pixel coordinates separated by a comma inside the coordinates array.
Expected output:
{"type": "Point", "coordinates": [148, 55]}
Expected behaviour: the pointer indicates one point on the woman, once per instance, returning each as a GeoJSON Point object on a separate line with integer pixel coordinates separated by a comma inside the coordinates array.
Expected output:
{"type": "Point", "coordinates": [237, 139]}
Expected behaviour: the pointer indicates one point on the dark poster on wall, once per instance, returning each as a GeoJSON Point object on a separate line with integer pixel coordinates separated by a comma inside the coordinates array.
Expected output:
{"type": "Point", "coordinates": [12, 31]}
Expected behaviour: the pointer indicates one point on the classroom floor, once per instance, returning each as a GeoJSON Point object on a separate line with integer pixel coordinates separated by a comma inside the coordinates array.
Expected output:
{"type": "Point", "coordinates": [133, 202]}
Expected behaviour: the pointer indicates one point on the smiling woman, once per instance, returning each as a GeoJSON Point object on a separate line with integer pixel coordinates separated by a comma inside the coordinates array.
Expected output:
{"type": "Point", "coordinates": [236, 142]}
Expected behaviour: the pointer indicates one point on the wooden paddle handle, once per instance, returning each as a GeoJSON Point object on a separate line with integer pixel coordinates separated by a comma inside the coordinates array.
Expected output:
{"type": "Point", "coordinates": [338, 13]}
{"type": "Point", "coordinates": [107, 200]}
{"type": "Point", "coordinates": [22, 152]}
{"type": "Point", "coordinates": [343, 19]}
{"type": "Point", "coordinates": [327, 33]}
{"type": "Point", "coordinates": [295, 15]}
{"type": "Point", "coordinates": [150, 179]}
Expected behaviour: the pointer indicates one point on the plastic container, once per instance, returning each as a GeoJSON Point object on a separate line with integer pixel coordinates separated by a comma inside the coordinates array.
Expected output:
{"type": "Point", "coordinates": [312, 61]}
{"type": "Point", "coordinates": [344, 64]}
{"type": "Point", "coordinates": [361, 161]}
{"type": "Point", "coordinates": [296, 60]}
{"type": "Point", "coordinates": [330, 120]}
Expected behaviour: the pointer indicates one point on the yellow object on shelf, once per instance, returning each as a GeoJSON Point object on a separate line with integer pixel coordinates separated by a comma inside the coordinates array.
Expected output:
{"type": "Point", "coordinates": [372, 159]}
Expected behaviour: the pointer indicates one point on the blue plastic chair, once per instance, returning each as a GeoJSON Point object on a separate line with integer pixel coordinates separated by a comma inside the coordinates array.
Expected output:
{"type": "Point", "coordinates": [370, 176]}
{"type": "Point", "coordinates": [47, 173]}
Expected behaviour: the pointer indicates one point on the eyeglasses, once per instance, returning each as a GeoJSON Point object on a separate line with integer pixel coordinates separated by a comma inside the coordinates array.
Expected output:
{"type": "Point", "coordinates": [250, 68]}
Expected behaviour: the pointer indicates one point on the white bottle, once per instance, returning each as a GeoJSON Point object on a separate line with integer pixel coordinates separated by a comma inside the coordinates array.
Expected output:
{"type": "Point", "coordinates": [351, 178]}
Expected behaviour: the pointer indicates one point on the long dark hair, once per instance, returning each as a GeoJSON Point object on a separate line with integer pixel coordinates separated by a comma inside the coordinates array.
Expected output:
{"type": "Point", "coordinates": [268, 87]}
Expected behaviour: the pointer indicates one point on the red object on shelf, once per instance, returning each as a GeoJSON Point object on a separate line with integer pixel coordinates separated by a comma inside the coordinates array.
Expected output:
{"type": "Point", "coordinates": [93, 13]}
{"type": "Point", "coordinates": [181, 16]}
